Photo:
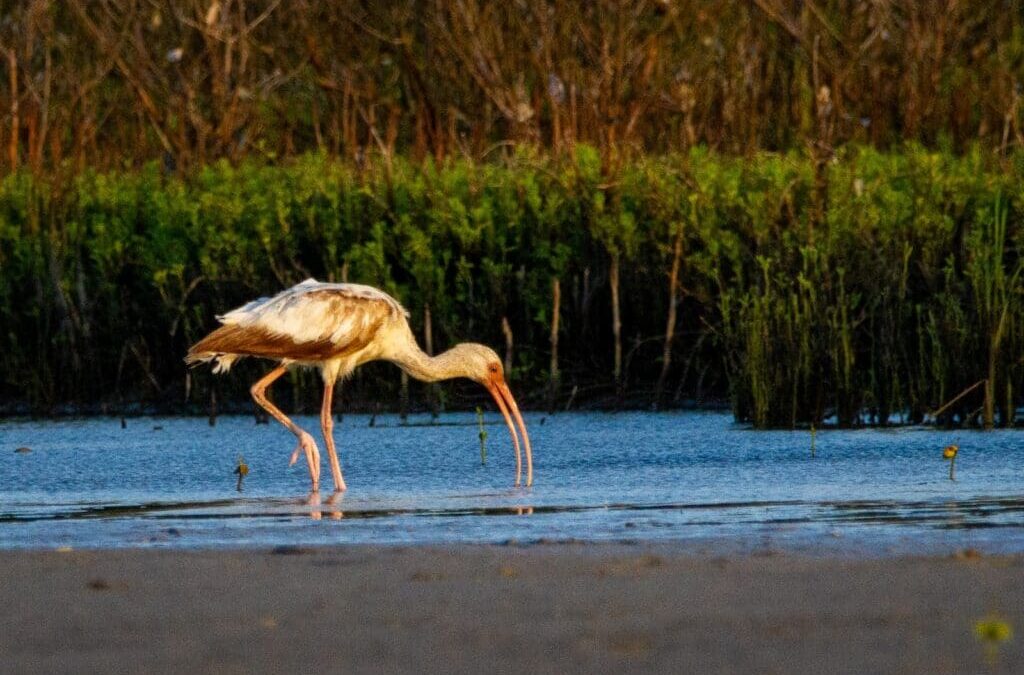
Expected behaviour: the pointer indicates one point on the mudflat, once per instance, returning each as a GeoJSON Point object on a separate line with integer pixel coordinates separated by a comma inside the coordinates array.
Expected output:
{"type": "Point", "coordinates": [505, 609]}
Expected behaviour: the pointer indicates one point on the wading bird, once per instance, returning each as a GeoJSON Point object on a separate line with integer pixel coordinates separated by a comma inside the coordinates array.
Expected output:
{"type": "Point", "coordinates": [336, 328]}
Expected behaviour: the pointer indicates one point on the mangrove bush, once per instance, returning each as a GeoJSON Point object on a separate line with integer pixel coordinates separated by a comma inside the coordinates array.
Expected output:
{"type": "Point", "coordinates": [737, 278]}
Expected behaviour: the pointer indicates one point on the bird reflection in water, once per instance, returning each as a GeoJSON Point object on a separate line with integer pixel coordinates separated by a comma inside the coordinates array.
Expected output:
{"type": "Point", "coordinates": [331, 507]}
{"type": "Point", "coordinates": [317, 505]}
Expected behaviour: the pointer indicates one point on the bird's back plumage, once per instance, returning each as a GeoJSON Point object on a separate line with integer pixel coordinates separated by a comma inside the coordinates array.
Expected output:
{"type": "Point", "coordinates": [309, 322]}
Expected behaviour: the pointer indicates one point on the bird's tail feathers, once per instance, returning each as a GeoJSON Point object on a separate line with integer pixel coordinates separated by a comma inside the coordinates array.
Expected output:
{"type": "Point", "coordinates": [213, 348]}
{"type": "Point", "coordinates": [221, 362]}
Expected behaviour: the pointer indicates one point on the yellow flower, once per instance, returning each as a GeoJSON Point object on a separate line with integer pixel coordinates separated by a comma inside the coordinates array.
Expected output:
{"type": "Point", "coordinates": [993, 629]}
{"type": "Point", "coordinates": [242, 469]}
{"type": "Point", "coordinates": [950, 451]}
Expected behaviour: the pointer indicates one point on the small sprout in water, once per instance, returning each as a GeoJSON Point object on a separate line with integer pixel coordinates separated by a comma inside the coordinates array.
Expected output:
{"type": "Point", "coordinates": [949, 454]}
{"type": "Point", "coordinates": [814, 432]}
{"type": "Point", "coordinates": [483, 435]}
{"type": "Point", "coordinates": [242, 470]}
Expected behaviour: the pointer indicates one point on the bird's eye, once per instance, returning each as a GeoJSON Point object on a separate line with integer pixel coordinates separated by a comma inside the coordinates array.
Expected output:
{"type": "Point", "coordinates": [493, 368]}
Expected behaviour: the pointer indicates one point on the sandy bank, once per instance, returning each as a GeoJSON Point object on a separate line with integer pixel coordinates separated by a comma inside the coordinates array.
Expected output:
{"type": "Point", "coordinates": [540, 609]}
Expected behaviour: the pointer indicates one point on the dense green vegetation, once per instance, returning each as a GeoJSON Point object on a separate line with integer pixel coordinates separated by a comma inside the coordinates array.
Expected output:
{"type": "Point", "coordinates": [874, 285]}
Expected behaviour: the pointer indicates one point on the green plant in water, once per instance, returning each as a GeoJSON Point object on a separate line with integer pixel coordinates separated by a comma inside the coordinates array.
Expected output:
{"type": "Point", "coordinates": [949, 454]}
{"type": "Point", "coordinates": [996, 285]}
{"type": "Point", "coordinates": [482, 435]}
{"type": "Point", "coordinates": [241, 470]}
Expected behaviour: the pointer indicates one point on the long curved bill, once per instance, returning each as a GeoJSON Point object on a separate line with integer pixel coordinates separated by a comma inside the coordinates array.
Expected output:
{"type": "Point", "coordinates": [506, 403]}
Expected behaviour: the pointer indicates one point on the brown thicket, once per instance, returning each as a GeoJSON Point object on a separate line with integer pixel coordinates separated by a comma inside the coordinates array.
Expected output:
{"type": "Point", "coordinates": [101, 83]}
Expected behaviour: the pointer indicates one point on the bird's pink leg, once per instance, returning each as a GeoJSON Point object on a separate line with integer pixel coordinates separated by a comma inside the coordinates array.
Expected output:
{"type": "Point", "coordinates": [327, 425]}
{"type": "Point", "coordinates": [306, 442]}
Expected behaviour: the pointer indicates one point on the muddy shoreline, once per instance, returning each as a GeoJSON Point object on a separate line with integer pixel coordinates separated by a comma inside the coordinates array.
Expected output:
{"type": "Point", "coordinates": [546, 608]}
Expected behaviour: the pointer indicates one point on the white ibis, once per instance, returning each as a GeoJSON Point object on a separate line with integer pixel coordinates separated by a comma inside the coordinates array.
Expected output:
{"type": "Point", "coordinates": [336, 328]}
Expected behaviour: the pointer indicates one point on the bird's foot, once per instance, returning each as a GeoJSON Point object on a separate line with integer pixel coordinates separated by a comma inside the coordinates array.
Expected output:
{"type": "Point", "coordinates": [308, 446]}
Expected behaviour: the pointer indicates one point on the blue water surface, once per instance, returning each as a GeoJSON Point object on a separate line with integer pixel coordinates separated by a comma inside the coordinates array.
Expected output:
{"type": "Point", "coordinates": [693, 478]}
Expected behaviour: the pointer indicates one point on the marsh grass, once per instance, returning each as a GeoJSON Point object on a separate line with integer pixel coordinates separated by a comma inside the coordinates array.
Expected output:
{"type": "Point", "coordinates": [902, 294]}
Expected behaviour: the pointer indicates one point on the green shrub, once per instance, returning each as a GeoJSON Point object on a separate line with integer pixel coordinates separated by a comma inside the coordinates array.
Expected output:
{"type": "Point", "coordinates": [906, 292]}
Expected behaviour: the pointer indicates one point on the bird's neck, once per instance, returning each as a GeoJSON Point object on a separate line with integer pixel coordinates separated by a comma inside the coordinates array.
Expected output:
{"type": "Point", "coordinates": [424, 367]}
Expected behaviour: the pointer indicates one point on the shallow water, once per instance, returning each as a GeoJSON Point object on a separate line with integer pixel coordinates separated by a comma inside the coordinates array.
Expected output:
{"type": "Point", "coordinates": [694, 477]}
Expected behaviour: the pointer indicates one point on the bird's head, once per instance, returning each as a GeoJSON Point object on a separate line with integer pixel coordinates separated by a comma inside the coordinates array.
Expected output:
{"type": "Point", "coordinates": [477, 362]}
{"type": "Point", "coordinates": [481, 363]}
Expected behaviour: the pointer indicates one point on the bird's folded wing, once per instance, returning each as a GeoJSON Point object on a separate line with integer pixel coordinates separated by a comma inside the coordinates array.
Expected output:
{"type": "Point", "coordinates": [309, 321]}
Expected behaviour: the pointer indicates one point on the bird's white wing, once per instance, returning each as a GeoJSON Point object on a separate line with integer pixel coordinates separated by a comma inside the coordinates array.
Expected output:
{"type": "Point", "coordinates": [309, 321]}
{"type": "Point", "coordinates": [313, 310]}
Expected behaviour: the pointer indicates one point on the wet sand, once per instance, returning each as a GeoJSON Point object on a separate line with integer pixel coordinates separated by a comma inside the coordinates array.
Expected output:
{"type": "Point", "coordinates": [503, 609]}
